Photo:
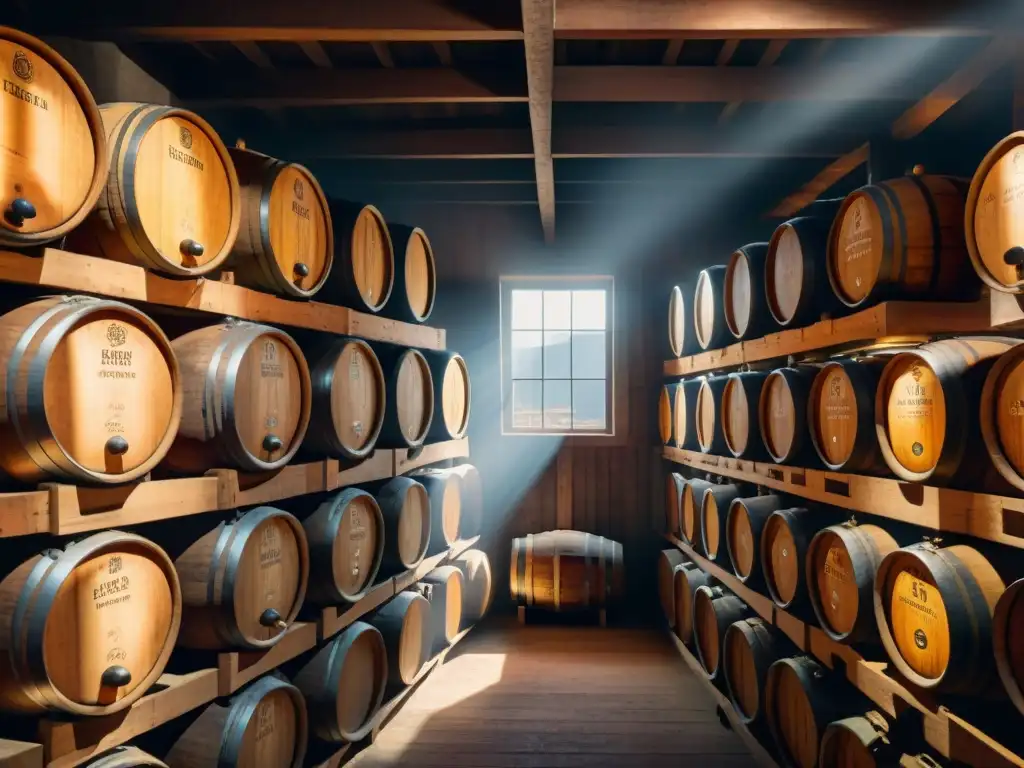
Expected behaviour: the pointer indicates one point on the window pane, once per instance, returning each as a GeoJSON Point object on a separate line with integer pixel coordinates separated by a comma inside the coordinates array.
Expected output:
{"type": "Point", "coordinates": [526, 404]}
{"type": "Point", "coordinates": [588, 401]}
{"type": "Point", "coordinates": [526, 310]}
{"type": "Point", "coordinates": [588, 358]}
{"type": "Point", "coordinates": [557, 314]}
{"type": "Point", "coordinates": [526, 351]}
{"type": "Point", "coordinates": [557, 405]}
{"type": "Point", "coordinates": [557, 362]}
{"type": "Point", "coordinates": [588, 310]}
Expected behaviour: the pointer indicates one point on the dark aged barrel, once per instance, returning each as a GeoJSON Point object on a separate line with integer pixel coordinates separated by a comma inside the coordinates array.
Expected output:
{"type": "Point", "coordinates": [740, 424]}
{"type": "Point", "coordinates": [749, 649]}
{"type": "Point", "coordinates": [403, 622]}
{"type": "Point", "coordinates": [87, 629]}
{"type": "Point", "coordinates": [674, 484]}
{"type": "Point", "coordinates": [445, 598]}
{"type": "Point", "coordinates": [710, 434]}
{"type": "Point", "coordinates": [714, 512]}
{"type": "Point", "coordinates": [1002, 415]}
{"type": "Point", "coordinates": [901, 239]}
{"type": "Point", "coordinates": [343, 684]}
{"type": "Point", "coordinates": [90, 391]}
{"type": "Point", "coordinates": [714, 610]}
{"type": "Point", "coordinates": [285, 244]}
{"type": "Point", "coordinates": [926, 410]}
{"type": "Point", "coordinates": [363, 274]}
{"type": "Point", "coordinates": [782, 411]}
{"type": "Point", "coordinates": [412, 299]}
{"type": "Point", "coordinates": [795, 277]}
{"type": "Point", "coordinates": [124, 757]}
{"type": "Point", "coordinates": [264, 725]}
{"type": "Point", "coordinates": [688, 578]}
{"type": "Point", "coordinates": [444, 491]}
{"type": "Point", "coordinates": [934, 612]}
{"type": "Point", "coordinates": [50, 123]}
{"type": "Point", "coordinates": [452, 395]}
{"type": "Point", "coordinates": [743, 529]}
{"type": "Point", "coordinates": [243, 582]}
{"type": "Point", "coordinates": [709, 309]}
{"type": "Point", "coordinates": [248, 402]}
{"type": "Point", "coordinates": [785, 538]}
{"type": "Point", "coordinates": [684, 415]}
{"type": "Point", "coordinates": [1008, 641]}
{"type": "Point", "coordinates": [666, 398]}
{"type": "Point", "coordinates": [668, 560]}
{"type": "Point", "coordinates": [681, 338]}
{"type": "Point", "coordinates": [861, 741]}
{"type": "Point", "coordinates": [477, 585]}
{"type": "Point", "coordinates": [348, 400]}
{"type": "Point", "coordinates": [841, 564]}
{"type": "Point", "coordinates": [405, 507]}
{"type": "Point", "coordinates": [746, 307]}
{"type": "Point", "coordinates": [409, 394]}
{"type": "Point", "coordinates": [346, 544]}
{"type": "Point", "coordinates": [690, 507]}
{"type": "Point", "coordinates": [841, 415]}
{"type": "Point", "coordinates": [184, 219]}
{"type": "Point", "coordinates": [589, 570]}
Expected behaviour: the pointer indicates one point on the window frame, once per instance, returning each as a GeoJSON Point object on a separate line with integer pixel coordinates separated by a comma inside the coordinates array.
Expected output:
{"type": "Point", "coordinates": [509, 283]}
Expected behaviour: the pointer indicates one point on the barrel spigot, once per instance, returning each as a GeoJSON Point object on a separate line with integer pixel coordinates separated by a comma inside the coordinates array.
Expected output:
{"type": "Point", "coordinates": [115, 677]}
{"type": "Point", "coordinates": [18, 211]}
{"type": "Point", "coordinates": [271, 618]}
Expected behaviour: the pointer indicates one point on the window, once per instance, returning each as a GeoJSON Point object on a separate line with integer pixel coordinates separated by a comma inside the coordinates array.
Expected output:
{"type": "Point", "coordinates": [556, 355]}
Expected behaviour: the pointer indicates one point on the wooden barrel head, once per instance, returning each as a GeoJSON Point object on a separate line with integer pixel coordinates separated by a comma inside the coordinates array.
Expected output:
{"type": "Point", "coordinates": [737, 294]}
{"type": "Point", "coordinates": [782, 565]}
{"type": "Point", "coordinates": [690, 517]}
{"type": "Point", "coordinates": [1008, 416]}
{"type": "Point", "coordinates": [455, 396]}
{"type": "Point", "coordinates": [110, 376]}
{"type": "Point", "coordinates": [995, 213]}
{"type": "Point", "coordinates": [777, 413]}
{"type": "Point", "coordinates": [855, 255]}
{"type": "Point", "coordinates": [831, 575]}
{"type": "Point", "coordinates": [679, 425]}
{"type": "Point", "coordinates": [705, 629]}
{"type": "Point", "coordinates": [914, 411]}
{"type": "Point", "coordinates": [414, 406]}
{"type": "Point", "coordinates": [665, 416]}
{"type": "Point", "coordinates": [269, 396]}
{"type": "Point", "coordinates": [1008, 639]}
{"type": "Point", "coordinates": [705, 416]}
{"type": "Point", "coordinates": [833, 404]}
{"type": "Point", "coordinates": [453, 604]}
{"type": "Point", "coordinates": [357, 396]}
{"type": "Point", "coordinates": [741, 672]}
{"type": "Point", "coordinates": [668, 559]}
{"type": "Point", "coordinates": [793, 717]}
{"type": "Point", "coordinates": [372, 259]}
{"type": "Point", "coordinates": [414, 525]}
{"type": "Point", "coordinates": [272, 733]}
{"type": "Point", "coordinates": [735, 416]}
{"type": "Point", "coordinates": [704, 310]}
{"type": "Point", "coordinates": [451, 508]}
{"type": "Point", "coordinates": [683, 591]}
{"type": "Point", "coordinates": [784, 273]}
{"type": "Point", "coordinates": [740, 535]}
{"type": "Point", "coordinates": [299, 227]}
{"type": "Point", "coordinates": [420, 276]}
{"type": "Point", "coordinates": [412, 643]}
{"type": "Point", "coordinates": [356, 545]}
{"type": "Point", "coordinates": [917, 616]}
{"type": "Point", "coordinates": [710, 524]}
{"type": "Point", "coordinates": [676, 321]}
{"type": "Point", "coordinates": [269, 576]}
{"type": "Point", "coordinates": [361, 680]}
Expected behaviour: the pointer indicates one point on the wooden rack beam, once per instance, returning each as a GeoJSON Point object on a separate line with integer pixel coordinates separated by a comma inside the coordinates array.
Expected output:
{"type": "Point", "coordinates": [539, 41]}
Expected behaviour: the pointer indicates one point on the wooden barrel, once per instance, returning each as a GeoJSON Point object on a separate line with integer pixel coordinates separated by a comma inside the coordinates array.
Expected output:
{"type": "Point", "coordinates": [243, 582]}
{"type": "Point", "coordinates": [285, 244]}
{"type": "Point", "coordinates": [363, 274]}
{"type": "Point", "coordinates": [449, 375]}
{"type": "Point", "coordinates": [471, 515]}
{"type": "Point", "coordinates": [994, 217]}
{"type": "Point", "coordinates": [688, 579]}
{"type": "Point", "coordinates": [405, 508]}
{"type": "Point", "coordinates": [409, 394]}
{"type": "Point", "coordinates": [87, 629]}
{"type": "Point", "coordinates": [477, 585]}
{"type": "Point", "coordinates": [415, 289]}
{"type": "Point", "coordinates": [343, 684]}
{"type": "Point", "coordinates": [926, 409]}
{"type": "Point", "coordinates": [348, 400]}
{"type": "Point", "coordinates": [681, 339]}
{"type": "Point", "coordinates": [566, 570]}
{"type": "Point", "coordinates": [795, 278]}
{"type": "Point", "coordinates": [666, 416]}
{"type": "Point", "coordinates": [740, 425]}
{"type": "Point", "coordinates": [714, 610]}
{"type": "Point", "coordinates": [91, 391]}
{"type": "Point", "coordinates": [1008, 641]}
{"type": "Point", "coordinates": [124, 757]}
{"type": "Point", "coordinates": [746, 306]}
{"type": "Point", "coordinates": [444, 493]}
{"type": "Point", "coordinates": [785, 538]}
{"type": "Point", "coordinates": [50, 123]}
{"type": "Point", "coordinates": [801, 699]}
{"type": "Point", "coordinates": [674, 484]}
{"type": "Point", "coordinates": [782, 411]}
{"type": "Point", "coordinates": [709, 309]}
{"type": "Point", "coordinates": [861, 741]}
{"type": "Point", "coordinates": [684, 415]}
{"type": "Point", "coordinates": [265, 724]}
{"type": "Point", "coordinates": [668, 560]}
{"type": "Point", "coordinates": [185, 219]}
{"type": "Point", "coordinates": [841, 564]}
{"type": "Point", "coordinates": [749, 649]}
{"type": "Point", "coordinates": [248, 402]}
{"type": "Point", "coordinates": [710, 435]}
{"type": "Point", "coordinates": [901, 239]}
{"type": "Point", "coordinates": [714, 513]}
{"type": "Point", "coordinates": [1001, 414]}
{"type": "Point", "coordinates": [841, 415]}
{"type": "Point", "coordinates": [689, 510]}
{"type": "Point", "coordinates": [346, 544]}
{"type": "Point", "coordinates": [403, 622]}
{"type": "Point", "coordinates": [743, 528]}
{"type": "Point", "coordinates": [445, 600]}
{"type": "Point", "coordinates": [934, 611]}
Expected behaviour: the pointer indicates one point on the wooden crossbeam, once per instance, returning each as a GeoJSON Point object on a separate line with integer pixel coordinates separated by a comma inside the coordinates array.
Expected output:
{"type": "Point", "coordinates": [315, 52]}
{"type": "Point", "coordinates": [254, 53]}
{"type": "Point", "coordinates": [768, 58]}
{"type": "Point", "coordinates": [671, 56]}
{"type": "Point", "coordinates": [539, 41]}
{"type": "Point", "coordinates": [828, 176]}
{"type": "Point", "coordinates": [383, 54]}
{"type": "Point", "coordinates": [444, 53]}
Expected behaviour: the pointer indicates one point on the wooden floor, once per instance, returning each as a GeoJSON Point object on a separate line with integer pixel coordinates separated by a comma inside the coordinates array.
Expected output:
{"type": "Point", "coordinates": [558, 697]}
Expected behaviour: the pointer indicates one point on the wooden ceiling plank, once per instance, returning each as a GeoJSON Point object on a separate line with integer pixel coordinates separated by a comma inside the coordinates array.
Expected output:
{"type": "Point", "coordinates": [383, 54]}
{"type": "Point", "coordinates": [828, 176]}
{"type": "Point", "coordinates": [671, 57]}
{"type": "Point", "coordinates": [254, 53]}
{"type": "Point", "coordinates": [539, 42]}
{"type": "Point", "coordinates": [316, 53]}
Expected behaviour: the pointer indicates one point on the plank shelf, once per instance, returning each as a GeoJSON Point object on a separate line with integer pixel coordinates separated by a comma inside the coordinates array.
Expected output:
{"type": "Point", "coordinates": [948, 734]}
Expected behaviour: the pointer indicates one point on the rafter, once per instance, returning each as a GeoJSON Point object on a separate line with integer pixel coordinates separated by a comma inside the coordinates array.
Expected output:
{"type": "Point", "coordinates": [672, 51]}
{"type": "Point", "coordinates": [316, 53]}
{"type": "Point", "coordinates": [253, 53]}
{"type": "Point", "coordinates": [539, 40]}
{"type": "Point", "coordinates": [383, 54]}
{"type": "Point", "coordinates": [768, 58]}
{"type": "Point", "coordinates": [444, 53]}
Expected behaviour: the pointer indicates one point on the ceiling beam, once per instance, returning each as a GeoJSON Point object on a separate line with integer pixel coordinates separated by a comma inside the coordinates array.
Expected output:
{"type": "Point", "coordinates": [316, 53]}
{"type": "Point", "coordinates": [726, 52]}
{"type": "Point", "coordinates": [254, 53]}
{"type": "Point", "coordinates": [768, 58]}
{"type": "Point", "coordinates": [817, 186]}
{"type": "Point", "coordinates": [539, 42]}
{"type": "Point", "coordinates": [444, 53]}
{"type": "Point", "coordinates": [383, 54]}
{"type": "Point", "coordinates": [671, 56]}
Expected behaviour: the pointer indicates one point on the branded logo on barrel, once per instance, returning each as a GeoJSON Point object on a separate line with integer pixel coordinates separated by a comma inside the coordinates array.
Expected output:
{"type": "Point", "coordinates": [299, 189]}
{"type": "Point", "coordinates": [835, 388]}
{"type": "Point", "coordinates": [916, 373]}
{"type": "Point", "coordinates": [185, 137]}
{"type": "Point", "coordinates": [116, 335]}
{"type": "Point", "coordinates": [23, 66]}
{"type": "Point", "coordinates": [920, 639]}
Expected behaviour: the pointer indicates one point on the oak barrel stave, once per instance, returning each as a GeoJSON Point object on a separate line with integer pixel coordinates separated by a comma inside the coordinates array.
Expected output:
{"type": "Point", "coordinates": [405, 508]}
{"type": "Point", "coordinates": [403, 622]}
{"type": "Point", "coordinates": [710, 433]}
{"type": "Point", "coordinates": [666, 415]}
{"type": "Point", "coordinates": [477, 585]}
{"type": "Point", "coordinates": [668, 561]}
{"type": "Point", "coordinates": [714, 610]}
{"type": "Point", "coordinates": [363, 275]}
{"type": "Point", "coordinates": [741, 426]}
{"type": "Point", "coordinates": [688, 578]}
{"type": "Point", "coordinates": [993, 216]}
{"type": "Point", "coordinates": [415, 288]}
{"type": "Point", "coordinates": [795, 278]}
{"type": "Point", "coordinates": [709, 324]}
{"type": "Point", "coordinates": [684, 415]}
{"type": "Point", "coordinates": [409, 394]}
{"type": "Point", "coordinates": [1000, 414]}
{"type": "Point", "coordinates": [449, 374]}
{"type": "Point", "coordinates": [566, 570]}
{"type": "Point", "coordinates": [750, 647]}
{"type": "Point", "coordinates": [1008, 641]}
{"type": "Point", "coordinates": [747, 315]}
{"type": "Point", "coordinates": [743, 528]}
{"type": "Point", "coordinates": [714, 513]}
{"type": "Point", "coordinates": [443, 588]}
{"type": "Point", "coordinates": [689, 511]}
{"type": "Point", "coordinates": [674, 484]}
{"type": "Point", "coordinates": [681, 338]}
{"type": "Point", "coordinates": [782, 412]}
{"type": "Point", "coordinates": [841, 415]}
{"type": "Point", "coordinates": [444, 491]}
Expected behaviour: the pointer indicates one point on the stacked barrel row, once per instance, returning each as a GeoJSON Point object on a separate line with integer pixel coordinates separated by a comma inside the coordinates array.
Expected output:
{"type": "Point", "coordinates": [156, 186]}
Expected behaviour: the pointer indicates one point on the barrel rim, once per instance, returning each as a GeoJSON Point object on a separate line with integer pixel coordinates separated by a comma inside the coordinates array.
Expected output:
{"type": "Point", "coordinates": [748, 628]}
{"type": "Point", "coordinates": [708, 593]}
{"type": "Point", "coordinates": [684, 571]}
{"type": "Point", "coordinates": [737, 503]}
{"type": "Point", "coordinates": [785, 515]}
{"type": "Point", "coordinates": [875, 293]}
{"type": "Point", "coordinates": [389, 261]}
{"type": "Point", "coordinates": [675, 299]}
{"type": "Point", "coordinates": [337, 506]}
{"type": "Point", "coordinates": [814, 425]}
{"type": "Point", "coordinates": [727, 288]}
{"type": "Point", "coordinates": [734, 379]}
{"type": "Point", "coordinates": [708, 444]}
{"type": "Point", "coordinates": [460, 361]}
{"type": "Point", "coordinates": [664, 397]}
{"type": "Point", "coordinates": [987, 413]}
{"type": "Point", "coordinates": [340, 647]}
{"type": "Point", "coordinates": [769, 275]}
{"type": "Point", "coordinates": [704, 278]}
{"type": "Point", "coordinates": [798, 666]}
{"type": "Point", "coordinates": [1000, 642]}
{"type": "Point", "coordinates": [865, 728]}
{"type": "Point", "coordinates": [799, 420]}
{"type": "Point", "coordinates": [324, 372]}
{"type": "Point", "coordinates": [244, 706]}
{"type": "Point", "coordinates": [428, 418]}
{"type": "Point", "coordinates": [431, 268]}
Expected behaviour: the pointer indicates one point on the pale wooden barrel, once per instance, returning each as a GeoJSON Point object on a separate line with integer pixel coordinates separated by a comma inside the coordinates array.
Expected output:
{"type": "Point", "coordinates": [714, 513]}
{"type": "Point", "coordinates": [263, 725]}
{"type": "Point", "coordinates": [445, 595]}
{"type": "Point", "coordinates": [684, 415]}
{"type": "Point", "coordinates": [710, 434]}
{"type": "Point", "coordinates": [90, 390]}
{"type": "Point", "coordinates": [405, 507]}
{"type": "Point", "coordinates": [184, 219]}
{"type": "Point", "coordinates": [666, 399]}
{"type": "Point", "coordinates": [688, 579]}
{"type": "Point", "coordinates": [741, 426]}
{"type": "Point", "coordinates": [674, 483]}
{"type": "Point", "coordinates": [477, 585]}
{"type": "Point", "coordinates": [681, 339]}
{"type": "Point", "coordinates": [749, 649]}
{"type": "Point", "coordinates": [1001, 415]}
{"type": "Point", "coordinates": [404, 623]}
{"type": "Point", "coordinates": [566, 570]}
{"type": "Point", "coordinates": [715, 609]}
{"type": "Point", "coordinates": [248, 402]}
{"type": "Point", "coordinates": [409, 393]}
{"type": "Point", "coordinates": [782, 412]}
{"type": "Point", "coordinates": [861, 741]}
{"type": "Point", "coordinates": [692, 497]}
{"type": "Point", "coordinates": [124, 757]}
{"type": "Point", "coordinates": [449, 374]}
{"type": "Point", "coordinates": [444, 490]}
{"type": "Point", "coordinates": [348, 400]}
{"type": "Point", "coordinates": [346, 544]}
{"type": "Point", "coordinates": [795, 277]}
{"type": "Point", "coordinates": [994, 217]}
{"type": "Point", "coordinates": [785, 538]}
{"type": "Point", "coordinates": [668, 560]}
{"type": "Point", "coordinates": [1008, 641]}
{"type": "Point", "coordinates": [243, 583]}
{"type": "Point", "coordinates": [709, 325]}
{"type": "Point", "coordinates": [87, 629]}
{"type": "Point", "coordinates": [841, 415]}
{"type": "Point", "coordinates": [285, 242]}
{"type": "Point", "coordinates": [901, 239]}
{"type": "Point", "coordinates": [415, 289]}
{"type": "Point", "coordinates": [363, 274]}
{"type": "Point", "coordinates": [51, 124]}
{"type": "Point", "coordinates": [472, 513]}
{"type": "Point", "coordinates": [343, 684]}
{"type": "Point", "coordinates": [934, 612]}
{"type": "Point", "coordinates": [743, 528]}
{"type": "Point", "coordinates": [746, 306]}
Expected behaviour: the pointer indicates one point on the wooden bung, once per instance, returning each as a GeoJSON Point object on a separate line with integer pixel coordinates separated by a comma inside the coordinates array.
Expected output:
{"type": "Point", "coordinates": [688, 579]}
{"type": "Point", "coordinates": [171, 202]}
{"type": "Point", "coordinates": [861, 741]}
{"type": "Point", "coordinates": [709, 309]}
{"type": "Point", "coordinates": [714, 512]}
{"type": "Point", "coordinates": [477, 585]}
{"type": "Point", "coordinates": [901, 239]}
{"type": "Point", "coordinates": [681, 338]}
{"type": "Point", "coordinates": [684, 415]}
{"type": "Point", "coordinates": [343, 684]}
{"type": "Point", "coordinates": [795, 278]}
{"type": "Point", "coordinates": [403, 622]}
{"type": "Point", "coordinates": [714, 610]}
{"type": "Point", "coordinates": [743, 528]}
{"type": "Point", "coordinates": [710, 435]}
{"type": "Point", "coordinates": [741, 427]}
{"type": "Point", "coordinates": [90, 391]}
{"type": "Point", "coordinates": [746, 307]}
{"type": "Point", "coordinates": [445, 597]}
{"type": "Point", "coordinates": [243, 583]}
{"type": "Point", "coordinates": [934, 611]}
{"type": "Point", "coordinates": [674, 484]}
{"type": "Point", "coordinates": [285, 243]}
{"type": "Point", "coordinates": [409, 394]}
{"type": "Point", "coordinates": [89, 628]}
{"type": "Point", "coordinates": [1001, 415]}
{"type": "Point", "coordinates": [1008, 641]}
{"type": "Point", "coordinates": [689, 511]}
{"type": "Point", "coordinates": [363, 274]}
{"type": "Point", "coordinates": [566, 570]}
{"type": "Point", "coordinates": [346, 544]}
{"type": "Point", "coordinates": [444, 491]}
{"type": "Point", "coordinates": [666, 398]}
{"type": "Point", "coordinates": [263, 725]}
{"type": "Point", "coordinates": [405, 508]}
{"type": "Point", "coordinates": [668, 561]}
{"type": "Point", "coordinates": [449, 375]}
{"type": "Point", "coordinates": [785, 539]}
{"type": "Point", "coordinates": [782, 412]}
{"type": "Point", "coordinates": [415, 289]}
{"type": "Point", "coordinates": [750, 647]}
{"type": "Point", "coordinates": [124, 757]}
{"type": "Point", "coordinates": [248, 401]}
{"type": "Point", "coordinates": [841, 415]}
{"type": "Point", "coordinates": [51, 126]}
